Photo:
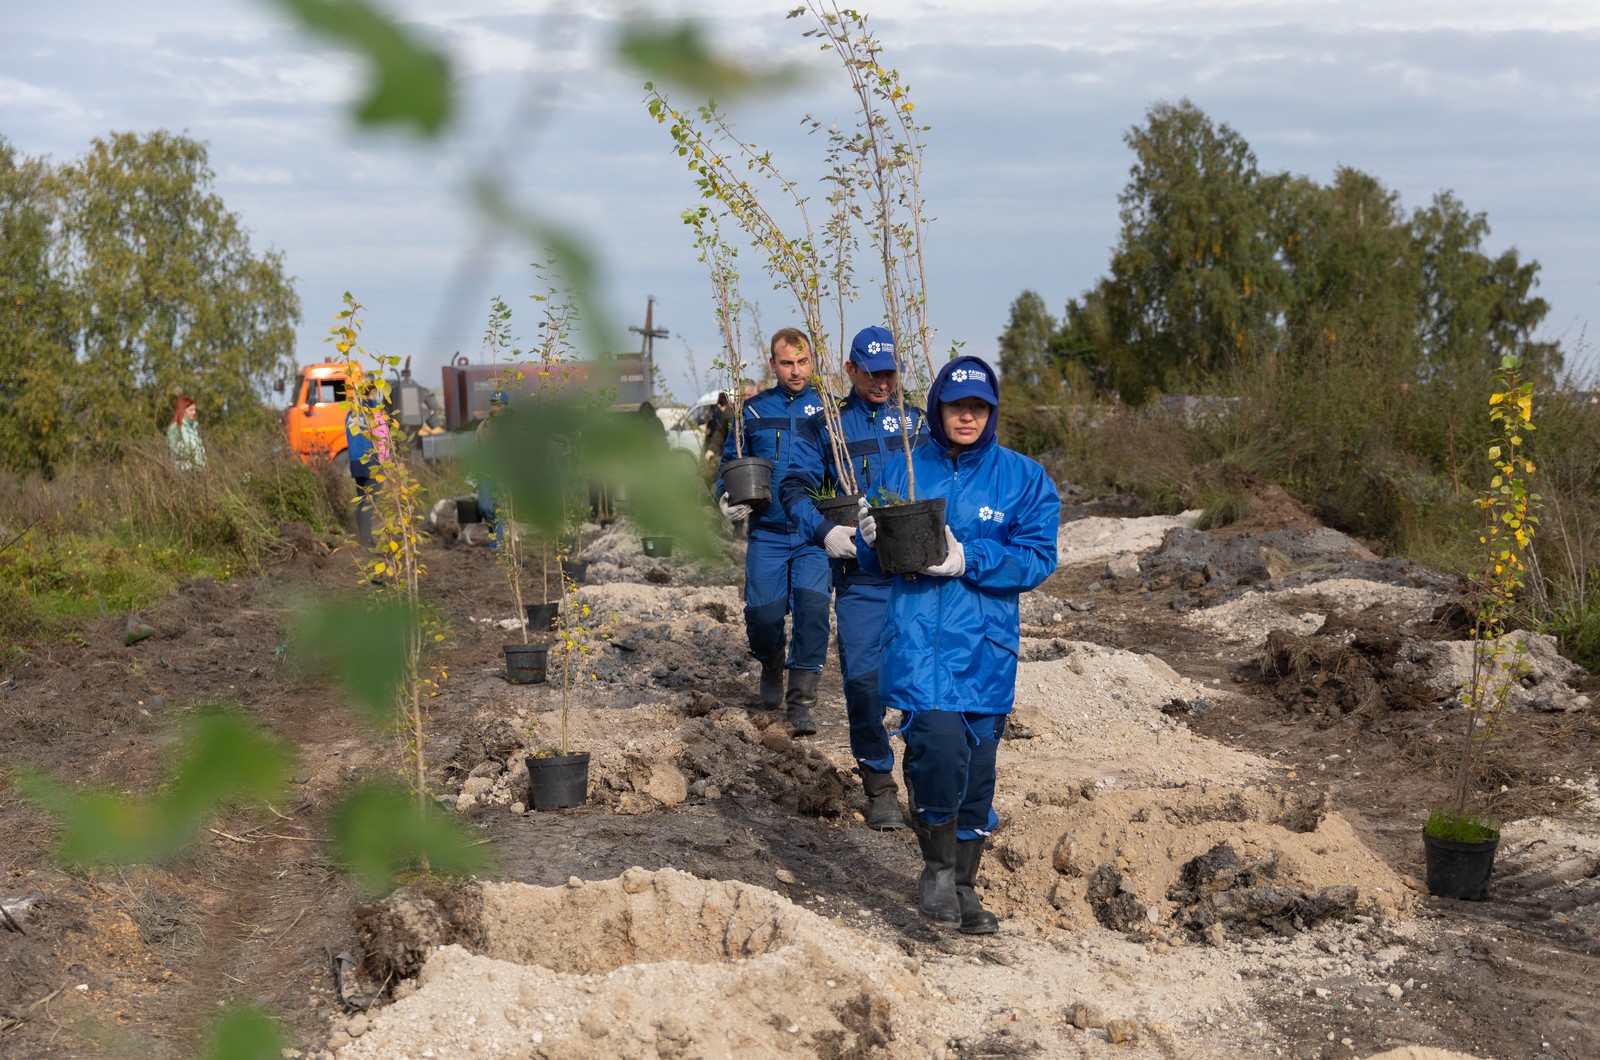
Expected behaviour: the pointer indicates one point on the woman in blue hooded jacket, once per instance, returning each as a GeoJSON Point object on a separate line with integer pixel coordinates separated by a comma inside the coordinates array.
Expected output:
{"type": "Point", "coordinates": [950, 641]}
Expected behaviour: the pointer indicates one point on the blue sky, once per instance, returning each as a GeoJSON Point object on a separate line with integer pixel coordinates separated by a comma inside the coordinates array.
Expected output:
{"type": "Point", "coordinates": [1499, 103]}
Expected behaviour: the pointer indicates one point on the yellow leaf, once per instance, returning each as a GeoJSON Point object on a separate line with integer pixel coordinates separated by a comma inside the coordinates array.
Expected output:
{"type": "Point", "coordinates": [379, 568]}
{"type": "Point", "coordinates": [1495, 399]}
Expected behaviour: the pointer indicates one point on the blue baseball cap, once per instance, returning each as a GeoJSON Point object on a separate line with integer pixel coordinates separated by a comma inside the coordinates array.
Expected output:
{"type": "Point", "coordinates": [970, 379]}
{"type": "Point", "coordinates": [872, 350]}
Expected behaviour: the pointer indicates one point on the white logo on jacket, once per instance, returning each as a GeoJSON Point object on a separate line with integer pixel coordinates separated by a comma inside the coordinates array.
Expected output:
{"type": "Point", "coordinates": [891, 424]}
{"type": "Point", "coordinates": [987, 514]}
{"type": "Point", "coordinates": [812, 410]}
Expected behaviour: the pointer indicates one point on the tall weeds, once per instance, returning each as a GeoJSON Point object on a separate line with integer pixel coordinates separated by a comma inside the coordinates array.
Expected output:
{"type": "Point", "coordinates": [1368, 441]}
{"type": "Point", "coordinates": [112, 536]}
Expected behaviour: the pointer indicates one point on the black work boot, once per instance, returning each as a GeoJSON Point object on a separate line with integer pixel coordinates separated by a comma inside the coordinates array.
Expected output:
{"type": "Point", "coordinates": [772, 683]}
{"type": "Point", "coordinates": [883, 806]}
{"type": "Point", "coordinates": [975, 919]}
{"type": "Point", "coordinates": [936, 889]}
{"type": "Point", "coordinates": [802, 697]}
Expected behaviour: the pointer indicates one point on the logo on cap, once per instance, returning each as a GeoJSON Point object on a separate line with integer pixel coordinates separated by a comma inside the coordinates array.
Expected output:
{"type": "Point", "coordinates": [880, 347]}
{"type": "Point", "coordinates": [961, 375]}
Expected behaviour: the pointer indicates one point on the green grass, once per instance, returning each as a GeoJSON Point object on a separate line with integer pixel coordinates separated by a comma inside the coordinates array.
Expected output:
{"type": "Point", "coordinates": [105, 539]}
{"type": "Point", "coordinates": [1465, 828]}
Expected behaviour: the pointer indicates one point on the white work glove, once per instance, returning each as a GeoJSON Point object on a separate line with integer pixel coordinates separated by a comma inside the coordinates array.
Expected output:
{"type": "Point", "coordinates": [734, 513]}
{"type": "Point", "coordinates": [866, 523]}
{"type": "Point", "coordinates": [841, 542]}
{"type": "Point", "coordinates": [955, 562]}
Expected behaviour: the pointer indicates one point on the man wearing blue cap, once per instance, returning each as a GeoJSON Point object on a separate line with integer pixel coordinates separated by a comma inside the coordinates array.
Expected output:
{"type": "Point", "coordinates": [873, 427]}
{"type": "Point", "coordinates": [951, 633]}
{"type": "Point", "coordinates": [784, 572]}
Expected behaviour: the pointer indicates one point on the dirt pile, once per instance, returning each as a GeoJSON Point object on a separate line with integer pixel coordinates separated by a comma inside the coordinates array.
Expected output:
{"type": "Point", "coordinates": [656, 964]}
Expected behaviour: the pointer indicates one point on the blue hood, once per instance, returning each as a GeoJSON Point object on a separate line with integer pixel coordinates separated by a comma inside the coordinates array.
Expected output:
{"type": "Point", "coordinates": [943, 382]}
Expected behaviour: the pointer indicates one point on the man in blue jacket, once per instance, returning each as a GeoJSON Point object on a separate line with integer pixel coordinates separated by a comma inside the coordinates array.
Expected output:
{"type": "Point", "coordinates": [950, 642]}
{"type": "Point", "coordinates": [873, 430]}
{"type": "Point", "coordinates": [784, 571]}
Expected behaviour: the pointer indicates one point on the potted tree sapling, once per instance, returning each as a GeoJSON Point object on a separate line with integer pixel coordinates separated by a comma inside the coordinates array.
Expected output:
{"type": "Point", "coordinates": [559, 778]}
{"type": "Point", "coordinates": [1459, 842]}
{"type": "Point", "coordinates": [746, 479]}
{"type": "Point", "coordinates": [888, 149]}
{"type": "Point", "coordinates": [525, 661]}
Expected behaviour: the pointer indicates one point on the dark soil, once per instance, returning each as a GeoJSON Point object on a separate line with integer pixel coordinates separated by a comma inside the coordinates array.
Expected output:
{"type": "Point", "coordinates": [134, 961]}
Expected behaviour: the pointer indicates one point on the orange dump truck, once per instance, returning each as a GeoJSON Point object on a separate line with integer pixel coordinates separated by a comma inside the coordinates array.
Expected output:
{"type": "Point", "coordinates": [314, 420]}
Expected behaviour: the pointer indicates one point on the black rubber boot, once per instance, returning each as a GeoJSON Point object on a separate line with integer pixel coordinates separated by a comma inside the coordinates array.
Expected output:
{"type": "Point", "coordinates": [772, 683]}
{"type": "Point", "coordinates": [975, 919]}
{"type": "Point", "coordinates": [936, 889]}
{"type": "Point", "coordinates": [883, 804]}
{"type": "Point", "coordinates": [802, 697]}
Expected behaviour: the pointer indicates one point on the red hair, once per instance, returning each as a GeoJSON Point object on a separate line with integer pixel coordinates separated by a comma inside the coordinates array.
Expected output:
{"type": "Point", "coordinates": [185, 402]}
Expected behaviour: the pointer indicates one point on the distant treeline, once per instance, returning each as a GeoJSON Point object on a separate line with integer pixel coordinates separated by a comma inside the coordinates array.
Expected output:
{"type": "Point", "coordinates": [1221, 267]}
{"type": "Point", "coordinates": [124, 282]}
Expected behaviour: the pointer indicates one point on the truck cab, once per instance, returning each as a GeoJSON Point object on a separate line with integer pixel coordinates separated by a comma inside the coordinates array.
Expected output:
{"type": "Point", "coordinates": [314, 420]}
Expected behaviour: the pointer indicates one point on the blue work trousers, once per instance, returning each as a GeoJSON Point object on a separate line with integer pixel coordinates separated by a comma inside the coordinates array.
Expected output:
{"type": "Point", "coordinates": [786, 574]}
{"type": "Point", "coordinates": [861, 605]}
{"type": "Point", "coordinates": [949, 769]}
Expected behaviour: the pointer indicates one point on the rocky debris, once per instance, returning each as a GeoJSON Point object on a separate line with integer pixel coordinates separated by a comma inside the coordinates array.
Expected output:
{"type": "Point", "coordinates": [1095, 539]}
{"type": "Point", "coordinates": [1244, 896]}
{"type": "Point", "coordinates": [1250, 558]}
{"type": "Point", "coordinates": [489, 742]}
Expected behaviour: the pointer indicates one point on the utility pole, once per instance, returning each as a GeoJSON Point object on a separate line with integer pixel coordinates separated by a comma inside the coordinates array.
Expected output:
{"type": "Point", "coordinates": [647, 352]}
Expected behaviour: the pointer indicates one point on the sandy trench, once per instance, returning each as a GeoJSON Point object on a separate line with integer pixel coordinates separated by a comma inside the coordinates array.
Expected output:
{"type": "Point", "coordinates": [666, 965]}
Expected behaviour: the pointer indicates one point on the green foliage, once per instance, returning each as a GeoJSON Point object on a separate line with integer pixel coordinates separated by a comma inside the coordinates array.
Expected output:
{"type": "Point", "coordinates": [362, 642]}
{"type": "Point", "coordinates": [1461, 827]}
{"type": "Point", "coordinates": [220, 758]}
{"type": "Point", "coordinates": [1509, 517]}
{"type": "Point", "coordinates": [127, 283]}
{"type": "Point", "coordinates": [380, 835]}
{"type": "Point", "coordinates": [245, 1032]}
{"type": "Point", "coordinates": [1025, 349]}
{"type": "Point", "coordinates": [1191, 275]}
{"type": "Point", "coordinates": [680, 54]}
{"type": "Point", "coordinates": [1221, 268]}
{"type": "Point", "coordinates": [1576, 622]}
{"type": "Point", "coordinates": [1223, 509]}
{"type": "Point", "coordinates": [410, 84]}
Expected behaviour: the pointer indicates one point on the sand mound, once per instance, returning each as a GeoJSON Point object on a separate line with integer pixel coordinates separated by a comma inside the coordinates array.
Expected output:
{"type": "Point", "coordinates": [1101, 786]}
{"type": "Point", "coordinates": [657, 964]}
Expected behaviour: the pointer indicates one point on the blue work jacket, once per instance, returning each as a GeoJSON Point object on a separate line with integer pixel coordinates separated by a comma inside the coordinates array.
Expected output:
{"type": "Point", "coordinates": [873, 435]}
{"type": "Point", "coordinates": [772, 420]}
{"type": "Point", "coordinates": [951, 643]}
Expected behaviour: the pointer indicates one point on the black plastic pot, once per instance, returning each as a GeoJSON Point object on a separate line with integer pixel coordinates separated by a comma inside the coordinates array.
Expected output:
{"type": "Point", "coordinates": [657, 547]}
{"type": "Point", "coordinates": [840, 511]}
{"type": "Point", "coordinates": [467, 510]}
{"type": "Point", "coordinates": [576, 571]}
{"type": "Point", "coordinates": [542, 617]}
{"type": "Point", "coordinates": [910, 536]}
{"type": "Point", "coordinates": [556, 782]}
{"type": "Point", "coordinates": [748, 480]}
{"type": "Point", "coordinates": [525, 663]}
{"type": "Point", "coordinates": [1456, 869]}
